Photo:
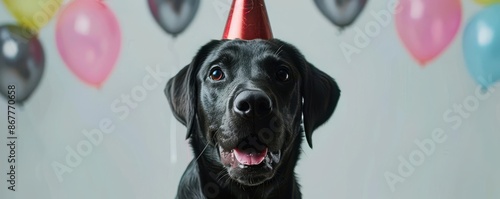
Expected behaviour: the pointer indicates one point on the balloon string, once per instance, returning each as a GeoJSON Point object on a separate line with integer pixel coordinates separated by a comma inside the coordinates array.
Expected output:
{"type": "Point", "coordinates": [173, 122]}
{"type": "Point", "coordinates": [340, 31]}
{"type": "Point", "coordinates": [175, 55]}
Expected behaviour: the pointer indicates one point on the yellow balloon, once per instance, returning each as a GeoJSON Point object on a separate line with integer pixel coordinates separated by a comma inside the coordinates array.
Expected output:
{"type": "Point", "coordinates": [487, 2]}
{"type": "Point", "coordinates": [33, 14]}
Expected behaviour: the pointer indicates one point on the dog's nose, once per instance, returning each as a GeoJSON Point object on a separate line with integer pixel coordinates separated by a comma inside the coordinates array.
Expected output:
{"type": "Point", "coordinates": [252, 103]}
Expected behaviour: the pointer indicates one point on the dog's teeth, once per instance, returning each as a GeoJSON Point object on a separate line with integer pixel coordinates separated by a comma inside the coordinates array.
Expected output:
{"type": "Point", "coordinates": [268, 165]}
{"type": "Point", "coordinates": [276, 157]}
{"type": "Point", "coordinates": [242, 166]}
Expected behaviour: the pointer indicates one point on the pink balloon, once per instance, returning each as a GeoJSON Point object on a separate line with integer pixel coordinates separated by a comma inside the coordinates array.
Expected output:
{"type": "Point", "coordinates": [427, 27]}
{"type": "Point", "coordinates": [88, 38]}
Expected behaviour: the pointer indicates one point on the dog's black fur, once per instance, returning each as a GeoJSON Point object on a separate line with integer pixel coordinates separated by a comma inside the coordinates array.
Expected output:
{"type": "Point", "coordinates": [281, 91]}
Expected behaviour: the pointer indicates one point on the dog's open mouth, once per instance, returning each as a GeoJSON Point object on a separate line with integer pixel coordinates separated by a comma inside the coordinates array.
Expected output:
{"type": "Point", "coordinates": [249, 153]}
{"type": "Point", "coordinates": [249, 157]}
{"type": "Point", "coordinates": [250, 162]}
{"type": "Point", "coordinates": [250, 166]}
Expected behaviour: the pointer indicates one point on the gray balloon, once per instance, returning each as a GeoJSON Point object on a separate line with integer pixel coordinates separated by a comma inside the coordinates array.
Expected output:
{"type": "Point", "coordinates": [173, 15]}
{"type": "Point", "coordinates": [341, 12]}
{"type": "Point", "coordinates": [22, 61]}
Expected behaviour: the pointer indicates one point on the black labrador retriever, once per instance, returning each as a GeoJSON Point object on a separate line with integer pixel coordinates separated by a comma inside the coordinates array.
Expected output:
{"type": "Point", "coordinates": [243, 103]}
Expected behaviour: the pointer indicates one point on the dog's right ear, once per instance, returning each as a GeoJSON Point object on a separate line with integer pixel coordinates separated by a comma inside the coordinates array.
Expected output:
{"type": "Point", "coordinates": [182, 91]}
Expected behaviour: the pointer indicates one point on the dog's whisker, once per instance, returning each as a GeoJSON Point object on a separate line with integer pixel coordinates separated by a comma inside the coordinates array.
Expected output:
{"type": "Point", "coordinates": [279, 50]}
{"type": "Point", "coordinates": [206, 146]}
{"type": "Point", "coordinates": [220, 178]}
{"type": "Point", "coordinates": [201, 152]}
{"type": "Point", "coordinates": [221, 175]}
{"type": "Point", "coordinates": [225, 179]}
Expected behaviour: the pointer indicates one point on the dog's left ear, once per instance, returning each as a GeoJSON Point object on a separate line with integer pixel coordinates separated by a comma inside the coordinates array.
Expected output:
{"type": "Point", "coordinates": [321, 94]}
{"type": "Point", "coordinates": [182, 91]}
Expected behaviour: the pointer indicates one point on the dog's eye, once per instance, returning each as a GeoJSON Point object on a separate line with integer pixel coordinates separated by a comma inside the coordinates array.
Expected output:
{"type": "Point", "coordinates": [216, 74]}
{"type": "Point", "coordinates": [282, 75]}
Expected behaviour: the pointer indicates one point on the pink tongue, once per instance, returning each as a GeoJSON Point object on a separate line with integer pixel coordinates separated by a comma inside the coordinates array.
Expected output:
{"type": "Point", "coordinates": [250, 158]}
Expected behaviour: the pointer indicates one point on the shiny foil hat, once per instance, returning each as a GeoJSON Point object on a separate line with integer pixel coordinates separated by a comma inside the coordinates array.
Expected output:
{"type": "Point", "coordinates": [248, 20]}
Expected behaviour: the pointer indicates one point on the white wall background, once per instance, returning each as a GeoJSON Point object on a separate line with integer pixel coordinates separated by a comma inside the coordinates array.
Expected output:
{"type": "Point", "coordinates": [387, 102]}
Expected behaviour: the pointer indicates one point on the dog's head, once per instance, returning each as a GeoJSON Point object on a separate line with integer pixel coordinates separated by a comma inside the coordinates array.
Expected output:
{"type": "Point", "coordinates": [247, 99]}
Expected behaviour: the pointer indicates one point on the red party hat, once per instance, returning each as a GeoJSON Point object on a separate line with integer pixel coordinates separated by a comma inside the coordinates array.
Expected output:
{"type": "Point", "coordinates": [248, 20]}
